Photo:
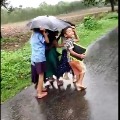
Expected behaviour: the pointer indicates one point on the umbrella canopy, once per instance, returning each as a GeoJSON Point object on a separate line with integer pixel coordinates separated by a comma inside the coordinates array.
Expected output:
{"type": "Point", "coordinates": [58, 23]}
{"type": "Point", "coordinates": [72, 24]}
{"type": "Point", "coordinates": [48, 22]}
{"type": "Point", "coordinates": [40, 21]}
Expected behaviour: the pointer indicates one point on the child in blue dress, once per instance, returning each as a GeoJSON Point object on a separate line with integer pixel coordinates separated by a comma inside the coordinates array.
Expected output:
{"type": "Point", "coordinates": [38, 59]}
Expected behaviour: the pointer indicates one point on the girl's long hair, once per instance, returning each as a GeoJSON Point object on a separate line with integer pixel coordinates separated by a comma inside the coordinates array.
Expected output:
{"type": "Point", "coordinates": [37, 30]}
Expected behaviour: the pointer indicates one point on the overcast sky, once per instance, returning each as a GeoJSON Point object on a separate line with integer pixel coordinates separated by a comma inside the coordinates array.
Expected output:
{"type": "Point", "coordinates": [35, 3]}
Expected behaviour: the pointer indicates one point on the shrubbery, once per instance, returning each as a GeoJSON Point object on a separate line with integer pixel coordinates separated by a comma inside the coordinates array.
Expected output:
{"type": "Point", "coordinates": [90, 23]}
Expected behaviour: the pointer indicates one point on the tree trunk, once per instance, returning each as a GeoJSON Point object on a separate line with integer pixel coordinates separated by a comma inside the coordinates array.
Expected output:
{"type": "Point", "coordinates": [0, 35]}
{"type": "Point", "coordinates": [112, 5]}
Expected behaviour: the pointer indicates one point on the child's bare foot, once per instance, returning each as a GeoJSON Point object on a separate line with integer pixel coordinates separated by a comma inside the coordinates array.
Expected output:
{"type": "Point", "coordinates": [81, 86]}
{"type": "Point", "coordinates": [43, 90]}
{"type": "Point", "coordinates": [43, 94]}
{"type": "Point", "coordinates": [78, 88]}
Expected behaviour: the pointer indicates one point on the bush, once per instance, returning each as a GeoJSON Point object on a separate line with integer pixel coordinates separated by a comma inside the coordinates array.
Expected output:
{"type": "Point", "coordinates": [111, 16]}
{"type": "Point", "coordinates": [15, 71]}
{"type": "Point", "coordinates": [90, 23]}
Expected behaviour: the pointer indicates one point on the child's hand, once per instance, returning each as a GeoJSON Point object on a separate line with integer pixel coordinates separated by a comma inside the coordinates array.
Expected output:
{"type": "Point", "coordinates": [73, 27]}
{"type": "Point", "coordinates": [82, 56]}
{"type": "Point", "coordinates": [42, 29]}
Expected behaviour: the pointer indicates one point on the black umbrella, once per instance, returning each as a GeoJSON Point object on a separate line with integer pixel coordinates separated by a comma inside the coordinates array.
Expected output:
{"type": "Point", "coordinates": [48, 22]}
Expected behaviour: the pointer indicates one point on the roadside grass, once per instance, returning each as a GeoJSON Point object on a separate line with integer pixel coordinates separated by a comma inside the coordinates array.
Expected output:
{"type": "Point", "coordinates": [88, 36]}
{"type": "Point", "coordinates": [15, 71]}
{"type": "Point", "coordinates": [15, 65]}
{"type": "Point", "coordinates": [4, 40]}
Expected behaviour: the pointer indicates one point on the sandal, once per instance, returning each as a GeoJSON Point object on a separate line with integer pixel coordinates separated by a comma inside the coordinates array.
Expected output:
{"type": "Point", "coordinates": [43, 94]}
{"type": "Point", "coordinates": [51, 80]}
{"type": "Point", "coordinates": [74, 80]}
{"type": "Point", "coordinates": [59, 82]}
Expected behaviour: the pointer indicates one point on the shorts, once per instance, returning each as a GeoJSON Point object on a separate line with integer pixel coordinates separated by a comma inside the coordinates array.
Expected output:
{"type": "Point", "coordinates": [37, 69]}
{"type": "Point", "coordinates": [78, 67]}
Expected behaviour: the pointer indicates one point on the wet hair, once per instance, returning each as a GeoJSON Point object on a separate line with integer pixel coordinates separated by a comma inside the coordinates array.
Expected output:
{"type": "Point", "coordinates": [37, 30]}
{"type": "Point", "coordinates": [63, 32]}
{"type": "Point", "coordinates": [70, 23]}
{"type": "Point", "coordinates": [51, 36]}
{"type": "Point", "coordinates": [65, 29]}
{"type": "Point", "coordinates": [52, 33]}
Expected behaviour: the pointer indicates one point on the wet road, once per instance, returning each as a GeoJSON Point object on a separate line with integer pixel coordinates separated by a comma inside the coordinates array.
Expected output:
{"type": "Point", "coordinates": [98, 102]}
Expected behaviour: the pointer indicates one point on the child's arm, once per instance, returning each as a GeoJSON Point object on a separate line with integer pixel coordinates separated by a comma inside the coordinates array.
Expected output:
{"type": "Point", "coordinates": [76, 36]}
{"type": "Point", "coordinates": [59, 37]}
{"type": "Point", "coordinates": [69, 46]}
{"type": "Point", "coordinates": [45, 35]}
{"type": "Point", "coordinates": [76, 39]}
{"type": "Point", "coordinates": [55, 43]}
{"type": "Point", "coordinates": [76, 54]}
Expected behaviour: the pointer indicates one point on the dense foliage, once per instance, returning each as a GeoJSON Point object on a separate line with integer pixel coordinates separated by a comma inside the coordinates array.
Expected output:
{"type": "Point", "coordinates": [22, 14]}
{"type": "Point", "coordinates": [95, 2]}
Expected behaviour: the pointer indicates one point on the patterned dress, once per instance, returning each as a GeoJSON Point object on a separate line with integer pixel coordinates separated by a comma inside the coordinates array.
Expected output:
{"type": "Point", "coordinates": [63, 65]}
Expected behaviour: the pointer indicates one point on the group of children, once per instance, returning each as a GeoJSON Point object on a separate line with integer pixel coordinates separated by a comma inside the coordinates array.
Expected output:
{"type": "Point", "coordinates": [41, 58]}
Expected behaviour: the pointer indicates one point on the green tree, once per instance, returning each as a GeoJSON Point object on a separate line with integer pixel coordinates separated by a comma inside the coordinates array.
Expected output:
{"type": "Point", "coordinates": [95, 2]}
{"type": "Point", "coordinates": [5, 4]}
{"type": "Point", "coordinates": [21, 14]}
